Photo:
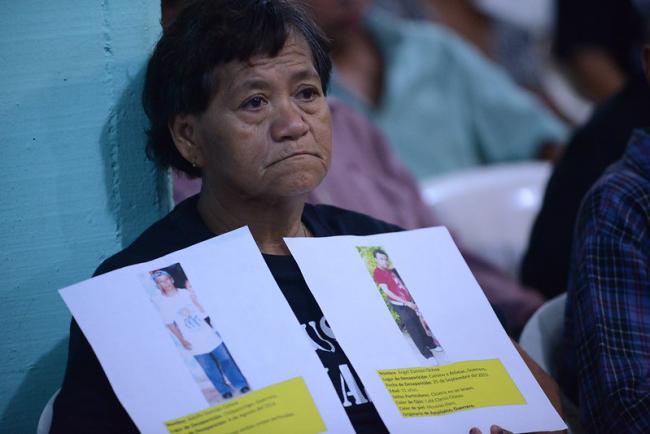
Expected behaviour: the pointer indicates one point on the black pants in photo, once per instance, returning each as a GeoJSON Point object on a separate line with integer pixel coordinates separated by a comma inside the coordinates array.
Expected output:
{"type": "Point", "coordinates": [414, 328]}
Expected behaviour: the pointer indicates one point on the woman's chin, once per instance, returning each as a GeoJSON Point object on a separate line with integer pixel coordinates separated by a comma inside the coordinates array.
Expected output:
{"type": "Point", "coordinates": [297, 179]}
{"type": "Point", "coordinates": [297, 184]}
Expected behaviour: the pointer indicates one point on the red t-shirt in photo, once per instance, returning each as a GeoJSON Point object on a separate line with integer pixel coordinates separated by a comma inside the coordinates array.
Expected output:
{"type": "Point", "coordinates": [394, 283]}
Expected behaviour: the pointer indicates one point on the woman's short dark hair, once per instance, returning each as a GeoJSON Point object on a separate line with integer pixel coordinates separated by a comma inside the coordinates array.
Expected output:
{"type": "Point", "coordinates": [181, 75]}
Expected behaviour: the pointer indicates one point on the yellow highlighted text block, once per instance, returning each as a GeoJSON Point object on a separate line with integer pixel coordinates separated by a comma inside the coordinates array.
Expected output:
{"type": "Point", "coordinates": [438, 390]}
{"type": "Point", "coordinates": [281, 408]}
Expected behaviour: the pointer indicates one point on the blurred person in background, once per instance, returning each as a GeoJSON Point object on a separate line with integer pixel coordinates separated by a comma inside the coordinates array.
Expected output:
{"type": "Point", "coordinates": [592, 148]}
{"type": "Point", "coordinates": [515, 34]}
{"type": "Point", "coordinates": [411, 9]}
{"type": "Point", "coordinates": [599, 43]}
{"type": "Point", "coordinates": [441, 104]}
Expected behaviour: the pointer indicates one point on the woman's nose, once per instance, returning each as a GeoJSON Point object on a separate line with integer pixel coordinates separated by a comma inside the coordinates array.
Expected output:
{"type": "Point", "coordinates": [289, 123]}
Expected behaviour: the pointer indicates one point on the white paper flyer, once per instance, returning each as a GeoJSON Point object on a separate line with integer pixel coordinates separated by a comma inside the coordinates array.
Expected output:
{"type": "Point", "coordinates": [421, 334]}
{"type": "Point", "coordinates": [202, 340]}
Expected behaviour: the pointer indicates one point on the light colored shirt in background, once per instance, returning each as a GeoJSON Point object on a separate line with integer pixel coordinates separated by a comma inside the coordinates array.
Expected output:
{"type": "Point", "coordinates": [444, 106]}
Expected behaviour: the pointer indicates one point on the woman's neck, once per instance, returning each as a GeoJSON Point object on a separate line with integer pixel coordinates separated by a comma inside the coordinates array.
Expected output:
{"type": "Point", "coordinates": [269, 221]}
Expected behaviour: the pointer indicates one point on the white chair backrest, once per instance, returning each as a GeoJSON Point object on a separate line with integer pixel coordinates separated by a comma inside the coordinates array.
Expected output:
{"type": "Point", "coordinates": [490, 209]}
{"type": "Point", "coordinates": [542, 340]}
{"type": "Point", "coordinates": [542, 335]}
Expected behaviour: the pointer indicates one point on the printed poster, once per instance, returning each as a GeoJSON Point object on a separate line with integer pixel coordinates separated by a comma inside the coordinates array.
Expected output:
{"type": "Point", "coordinates": [203, 341]}
{"type": "Point", "coordinates": [420, 333]}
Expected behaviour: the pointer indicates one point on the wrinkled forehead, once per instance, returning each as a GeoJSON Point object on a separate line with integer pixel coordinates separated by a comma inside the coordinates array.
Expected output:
{"type": "Point", "coordinates": [293, 62]}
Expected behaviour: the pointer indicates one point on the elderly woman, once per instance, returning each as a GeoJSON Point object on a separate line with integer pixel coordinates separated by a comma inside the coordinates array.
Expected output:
{"type": "Point", "coordinates": [235, 93]}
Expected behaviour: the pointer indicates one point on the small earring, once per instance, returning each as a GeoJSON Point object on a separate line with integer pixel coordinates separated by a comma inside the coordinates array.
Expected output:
{"type": "Point", "coordinates": [193, 164]}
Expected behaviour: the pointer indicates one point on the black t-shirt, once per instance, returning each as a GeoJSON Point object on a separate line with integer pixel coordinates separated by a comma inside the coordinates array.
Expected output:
{"type": "Point", "coordinates": [360, 410]}
{"type": "Point", "coordinates": [87, 403]}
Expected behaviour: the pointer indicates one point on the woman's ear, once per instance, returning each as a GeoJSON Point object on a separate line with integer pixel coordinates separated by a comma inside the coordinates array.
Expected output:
{"type": "Point", "coordinates": [183, 132]}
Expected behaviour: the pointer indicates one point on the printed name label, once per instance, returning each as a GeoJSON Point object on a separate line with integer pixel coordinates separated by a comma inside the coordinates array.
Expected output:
{"type": "Point", "coordinates": [438, 390]}
{"type": "Point", "coordinates": [277, 409]}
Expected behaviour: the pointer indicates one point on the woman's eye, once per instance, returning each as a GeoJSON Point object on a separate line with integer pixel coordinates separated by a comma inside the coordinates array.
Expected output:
{"type": "Point", "coordinates": [308, 93]}
{"type": "Point", "coordinates": [255, 102]}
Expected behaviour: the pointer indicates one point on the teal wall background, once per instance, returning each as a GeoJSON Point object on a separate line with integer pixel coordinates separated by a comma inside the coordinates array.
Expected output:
{"type": "Point", "coordinates": [75, 183]}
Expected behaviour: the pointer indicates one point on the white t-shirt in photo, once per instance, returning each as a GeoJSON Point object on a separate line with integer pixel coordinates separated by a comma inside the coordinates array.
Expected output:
{"type": "Point", "coordinates": [181, 310]}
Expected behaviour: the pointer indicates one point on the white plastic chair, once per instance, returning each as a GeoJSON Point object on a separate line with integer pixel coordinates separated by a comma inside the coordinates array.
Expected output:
{"type": "Point", "coordinates": [490, 209]}
{"type": "Point", "coordinates": [45, 421]}
{"type": "Point", "coordinates": [542, 334]}
{"type": "Point", "coordinates": [542, 340]}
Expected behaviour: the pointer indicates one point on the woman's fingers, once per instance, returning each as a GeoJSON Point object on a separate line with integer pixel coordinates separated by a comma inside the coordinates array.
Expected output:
{"type": "Point", "coordinates": [494, 429]}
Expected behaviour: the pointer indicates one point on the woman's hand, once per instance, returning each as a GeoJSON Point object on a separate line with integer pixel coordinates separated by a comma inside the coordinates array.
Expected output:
{"type": "Point", "coordinates": [494, 429]}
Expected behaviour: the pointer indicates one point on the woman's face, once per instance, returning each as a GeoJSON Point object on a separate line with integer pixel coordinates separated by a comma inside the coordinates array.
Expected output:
{"type": "Point", "coordinates": [266, 132]}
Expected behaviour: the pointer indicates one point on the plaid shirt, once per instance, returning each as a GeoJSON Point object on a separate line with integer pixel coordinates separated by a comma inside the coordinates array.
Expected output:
{"type": "Point", "coordinates": [607, 364]}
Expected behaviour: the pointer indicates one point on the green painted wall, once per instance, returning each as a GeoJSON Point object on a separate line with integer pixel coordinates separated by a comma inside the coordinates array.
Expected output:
{"type": "Point", "coordinates": [75, 183]}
